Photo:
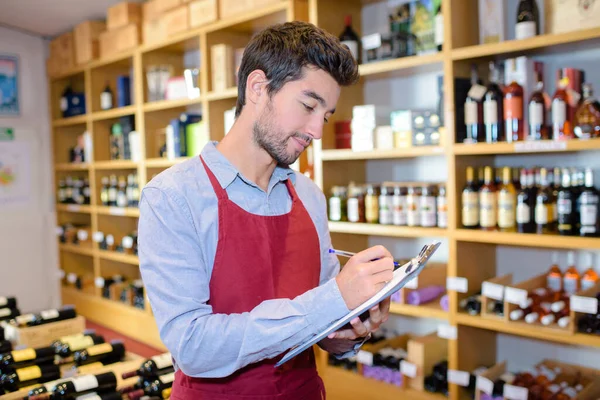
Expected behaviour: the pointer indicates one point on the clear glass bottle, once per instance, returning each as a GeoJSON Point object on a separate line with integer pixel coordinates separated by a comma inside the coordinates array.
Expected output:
{"type": "Point", "coordinates": [427, 206]}
{"type": "Point", "coordinates": [442, 207]}
{"type": "Point", "coordinates": [386, 206]}
{"type": "Point", "coordinates": [488, 202]}
{"type": "Point", "coordinates": [372, 204]}
{"type": "Point", "coordinates": [400, 206]}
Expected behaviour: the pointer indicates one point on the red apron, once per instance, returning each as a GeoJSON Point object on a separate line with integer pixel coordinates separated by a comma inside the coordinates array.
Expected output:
{"type": "Point", "coordinates": [260, 258]}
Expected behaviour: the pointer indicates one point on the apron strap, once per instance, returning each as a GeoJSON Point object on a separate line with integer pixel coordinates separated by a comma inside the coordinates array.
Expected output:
{"type": "Point", "coordinates": [219, 191]}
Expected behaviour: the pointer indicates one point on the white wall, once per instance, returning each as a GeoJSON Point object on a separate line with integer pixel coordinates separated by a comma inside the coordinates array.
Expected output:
{"type": "Point", "coordinates": [28, 253]}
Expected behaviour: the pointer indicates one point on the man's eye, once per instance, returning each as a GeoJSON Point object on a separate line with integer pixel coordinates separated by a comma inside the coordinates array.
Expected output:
{"type": "Point", "coordinates": [326, 120]}
{"type": "Point", "coordinates": [308, 108]}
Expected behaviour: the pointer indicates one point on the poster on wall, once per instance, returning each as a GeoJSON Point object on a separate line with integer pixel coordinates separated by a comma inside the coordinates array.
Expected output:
{"type": "Point", "coordinates": [9, 85]}
{"type": "Point", "coordinates": [15, 174]}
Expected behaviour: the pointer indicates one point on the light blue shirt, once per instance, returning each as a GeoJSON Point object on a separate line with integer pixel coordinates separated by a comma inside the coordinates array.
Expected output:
{"type": "Point", "coordinates": [177, 242]}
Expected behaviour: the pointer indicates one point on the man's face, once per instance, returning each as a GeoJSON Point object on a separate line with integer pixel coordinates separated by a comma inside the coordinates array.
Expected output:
{"type": "Point", "coordinates": [295, 115]}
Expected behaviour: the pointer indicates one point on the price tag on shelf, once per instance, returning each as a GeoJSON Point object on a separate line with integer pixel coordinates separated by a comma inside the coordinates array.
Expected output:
{"type": "Point", "coordinates": [492, 291]}
{"type": "Point", "coordinates": [73, 207]}
{"type": "Point", "coordinates": [460, 378]}
{"type": "Point", "coordinates": [484, 384]}
{"type": "Point", "coordinates": [408, 369]}
{"type": "Point", "coordinates": [447, 332]}
{"type": "Point", "coordinates": [364, 357]}
{"type": "Point", "coordinates": [413, 283]}
{"type": "Point", "coordinates": [515, 392]}
{"type": "Point", "coordinates": [537, 146]}
{"type": "Point", "coordinates": [516, 296]}
{"type": "Point", "coordinates": [457, 284]}
{"type": "Point", "coordinates": [116, 211]}
{"type": "Point", "coordinates": [587, 305]}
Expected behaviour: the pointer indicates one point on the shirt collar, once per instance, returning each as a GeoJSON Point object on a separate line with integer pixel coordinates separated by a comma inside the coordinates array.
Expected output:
{"type": "Point", "coordinates": [226, 173]}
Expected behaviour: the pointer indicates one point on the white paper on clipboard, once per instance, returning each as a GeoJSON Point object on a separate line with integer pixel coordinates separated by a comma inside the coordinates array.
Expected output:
{"type": "Point", "coordinates": [401, 276]}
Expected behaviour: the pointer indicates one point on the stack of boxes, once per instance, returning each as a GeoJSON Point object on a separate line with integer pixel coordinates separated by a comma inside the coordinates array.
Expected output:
{"type": "Point", "coordinates": [123, 24]}
{"type": "Point", "coordinates": [62, 54]}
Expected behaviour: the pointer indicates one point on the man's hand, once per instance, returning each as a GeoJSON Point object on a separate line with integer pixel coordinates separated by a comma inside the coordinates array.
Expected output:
{"type": "Point", "coordinates": [377, 316]}
{"type": "Point", "coordinates": [362, 277]}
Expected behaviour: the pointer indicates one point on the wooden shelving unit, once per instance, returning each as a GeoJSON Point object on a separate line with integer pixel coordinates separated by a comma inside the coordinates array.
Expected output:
{"type": "Point", "coordinates": [472, 254]}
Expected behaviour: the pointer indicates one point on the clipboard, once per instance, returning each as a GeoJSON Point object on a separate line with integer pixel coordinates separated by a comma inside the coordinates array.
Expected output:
{"type": "Point", "coordinates": [402, 276]}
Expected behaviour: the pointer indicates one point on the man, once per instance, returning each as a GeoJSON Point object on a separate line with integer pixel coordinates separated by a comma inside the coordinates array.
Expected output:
{"type": "Point", "coordinates": [234, 245]}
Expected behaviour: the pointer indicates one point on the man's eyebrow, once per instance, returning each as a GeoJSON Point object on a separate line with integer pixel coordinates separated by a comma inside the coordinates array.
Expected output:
{"type": "Point", "coordinates": [316, 96]}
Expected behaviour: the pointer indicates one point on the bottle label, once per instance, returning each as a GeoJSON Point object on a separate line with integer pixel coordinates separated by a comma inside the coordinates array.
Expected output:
{"type": "Point", "coordinates": [523, 213]}
{"type": "Point", "coordinates": [513, 107]}
{"type": "Point", "coordinates": [564, 206]}
{"type": "Point", "coordinates": [587, 284]}
{"type": "Point", "coordinates": [541, 214]}
{"type": "Point", "coordinates": [490, 112]}
{"type": "Point", "coordinates": [524, 30]}
{"type": "Point", "coordinates": [353, 214]}
{"type": "Point", "coordinates": [439, 29]}
{"type": "Point", "coordinates": [442, 212]}
{"type": "Point", "coordinates": [536, 113]}
{"type": "Point", "coordinates": [559, 112]}
{"type": "Point", "coordinates": [385, 210]}
{"type": "Point", "coordinates": [92, 396]}
{"type": "Point", "coordinates": [163, 361]}
{"type": "Point", "coordinates": [100, 349]}
{"type": "Point", "coordinates": [24, 355]}
{"type": "Point", "coordinates": [570, 285]}
{"type": "Point", "coordinates": [470, 209]}
{"type": "Point", "coordinates": [399, 216]}
{"type": "Point", "coordinates": [112, 195]}
{"type": "Point", "coordinates": [428, 211]}
{"type": "Point", "coordinates": [5, 312]}
{"type": "Point", "coordinates": [167, 378]}
{"type": "Point", "coordinates": [553, 283]}
{"type": "Point", "coordinates": [121, 199]}
{"type": "Point", "coordinates": [412, 211]}
{"type": "Point", "coordinates": [335, 209]}
{"type": "Point", "coordinates": [49, 314]}
{"type": "Point", "coordinates": [487, 207]}
{"type": "Point", "coordinates": [84, 383]}
{"type": "Point", "coordinates": [105, 101]}
{"type": "Point", "coordinates": [371, 208]}
{"type": "Point", "coordinates": [589, 214]}
{"type": "Point", "coordinates": [353, 46]}
{"type": "Point", "coordinates": [471, 113]}
{"type": "Point", "coordinates": [506, 210]}
{"type": "Point", "coordinates": [29, 373]}
{"type": "Point", "coordinates": [80, 343]}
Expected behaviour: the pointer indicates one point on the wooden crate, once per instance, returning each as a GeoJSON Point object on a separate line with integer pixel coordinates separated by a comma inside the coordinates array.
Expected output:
{"type": "Point", "coordinates": [222, 63]}
{"type": "Point", "coordinates": [203, 12]}
{"type": "Point", "coordinates": [576, 316]}
{"type": "Point", "coordinates": [235, 7]}
{"type": "Point", "coordinates": [162, 6]}
{"type": "Point", "coordinates": [177, 20]}
{"type": "Point", "coordinates": [504, 280]}
{"type": "Point", "coordinates": [87, 35]}
{"type": "Point", "coordinates": [43, 335]}
{"type": "Point", "coordinates": [425, 352]}
{"type": "Point", "coordinates": [434, 274]}
{"type": "Point", "coordinates": [123, 14]}
{"type": "Point", "coordinates": [62, 50]}
{"type": "Point", "coordinates": [118, 40]}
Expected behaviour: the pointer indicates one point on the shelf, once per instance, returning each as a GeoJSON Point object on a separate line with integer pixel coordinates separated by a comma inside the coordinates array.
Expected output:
{"type": "Point", "coordinates": [116, 164]}
{"type": "Point", "coordinates": [114, 113]}
{"type": "Point", "coordinates": [161, 105]}
{"type": "Point", "coordinates": [230, 93]}
{"type": "Point", "coordinates": [542, 146]}
{"type": "Point", "coordinates": [398, 64]}
{"type": "Point", "coordinates": [164, 162]}
{"type": "Point", "coordinates": [119, 211]}
{"type": "Point", "coordinates": [122, 318]}
{"type": "Point", "coordinates": [431, 310]}
{"type": "Point", "coordinates": [119, 257]}
{"type": "Point", "coordinates": [250, 21]}
{"type": "Point", "coordinates": [76, 120]}
{"type": "Point", "coordinates": [520, 46]}
{"type": "Point", "coordinates": [527, 239]}
{"type": "Point", "coordinates": [76, 208]}
{"type": "Point", "coordinates": [188, 40]}
{"type": "Point", "coordinates": [343, 384]}
{"type": "Point", "coordinates": [347, 154]}
{"type": "Point", "coordinates": [68, 73]}
{"type": "Point", "coordinates": [385, 230]}
{"type": "Point", "coordinates": [536, 332]}
{"type": "Point", "coordinates": [117, 58]}
{"type": "Point", "coordinates": [71, 167]}
{"type": "Point", "coordinates": [72, 248]}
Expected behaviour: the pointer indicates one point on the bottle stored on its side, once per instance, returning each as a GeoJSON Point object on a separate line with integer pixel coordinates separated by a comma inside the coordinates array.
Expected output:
{"type": "Point", "coordinates": [71, 345]}
{"type": "Point", "coordinates": [25, 357]}
{"type": "Point", "coordinates": [27, 376]}
{"type": "Point", "coordinates": [159, 387]}
{"type": "Point", "coordinates": [9, 313]}
{"type": "Point", "coordinates": [152, 367]}
{"type": "Point", "coordinates": [544, 205]}
{"type": "Point", "coordinates": [53, 315]}
{"type": "Point", "coordinates": [82, 384]}
{"type": "Point", "coordinates": [5, 346]}
{"type": "Point", "coordinates": [470, 202]}
{"type": "Point", "coordinates": [114, 349]}
{"type": "Point", "coordinates": [589, 222]}
{"type": "Point", "coordinates": [8, 302]}
{"type": "Point", "coordinates": [507, 198]}
{"type": "Point", "coordinates": [487, 202]}
{"type": "Point", "coordinates": [493, 107]}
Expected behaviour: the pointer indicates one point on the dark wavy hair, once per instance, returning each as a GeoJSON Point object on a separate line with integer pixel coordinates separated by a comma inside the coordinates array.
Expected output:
{"type": "Point", "coordinates": [282, 50]}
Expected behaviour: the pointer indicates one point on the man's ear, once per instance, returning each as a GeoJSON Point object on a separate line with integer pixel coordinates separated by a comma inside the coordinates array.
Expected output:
{"type": "Point", "coordinates": [256, 86]}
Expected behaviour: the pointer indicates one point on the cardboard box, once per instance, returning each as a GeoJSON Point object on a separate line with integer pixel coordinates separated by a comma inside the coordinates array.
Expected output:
{"type": "Point", "coordinates": [222, 67]}
{"type": "Point", "coordinates": [119, 40]}
{"type": "Point", "coordinates": [203, 12]}
{"type": "Point", "coordinates": [162, 6]}
{"type": "Point", "coordinates": [87, 36]}
{"type": "Point", "coordinates": [43, 335]}
{"type": "Point", "coordinates": [62, 50]}
{"type": "Point", "coordinates": [154, 30]}
{"type": "Point", "coordinates": [177, 20]}
{"type": "Point", "coordinates": [571, 15]}
{"type": "Point", "coordinates": [123, 14]}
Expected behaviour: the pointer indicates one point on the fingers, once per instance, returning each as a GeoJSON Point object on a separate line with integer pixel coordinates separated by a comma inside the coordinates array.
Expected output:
{"type": "Point", "coordinates": [384, 308]}
{"type": "Point", "coordinates": [374, 267]}
{"type": "Point", "coordinates": [382, 277]}
{"type": "Point", "coordinates": [375, 316]}
{"type": "Point", "coordinates": [372, 253]}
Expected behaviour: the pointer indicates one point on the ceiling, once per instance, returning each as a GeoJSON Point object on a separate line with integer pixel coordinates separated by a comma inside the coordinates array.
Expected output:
{"type": "Point", "coordinates": [49, 18]}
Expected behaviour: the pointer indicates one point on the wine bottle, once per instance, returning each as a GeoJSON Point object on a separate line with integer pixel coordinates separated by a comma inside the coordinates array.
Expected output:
{"type": "Point", "coordinates": [45, 388]}
{"type": "Point", "coordinates": [474, 109]}
{"type": "Point", "coordinates": [53, 315]}
{"type": "Point", "coordinates": [507, 198]}
{"type": "Point", "coordinates": [99, 352]}
{"type": "Point", "coordinates": [152, 367]}
{"type": "Point", "coordinates": [159, 388]}
{"type": "Point", "coordinates": [25, 357]}
{"type": "Point", "coordinates": [493, 107]}
{"type": "Point", "coordinates": [27, 376]}
{"type": "Point", "coordinates": [554, 277]}
{"type": "Point", "coordinates": [526, 204]}
{"type": "Point", "coordinates": [101, 396]}
{"type": "Point", "coordinates": [85, 383]}
{"type": "Point", "coordinates": [470, 202]}
{"type": "Point", "coordinates": [106, 98]}
{"type": "Point", "coordinates": [9, 313]}
{"type": "Point", "coordinates": [565, 206]}
{"type": "Point", "coordinates": [544, 204]}
{"type": "Point", "coordinates": [104, 191]}
{"type": "Point", "coordinates": [561, 125]}
{"type": "Point", "coordinates": [537, 111]}
{"type": "Point", "coordinates": [69, 346]}
{"type": "Point", "coordinates": [589, 222]}
{"type": "Point", "coordinates": [8, 302]}
{"type": "Point", "coordinates": [571, 283]}
{"type": "Point", "coordinates": [5, 346]}
{"type": "Point", "coordinates": [528, 21]}
{"type": "Point", "coordinates": [349, 38]}
{"type": "Point", "coordinates": [590, 276]}
{"type": "Point", "coordinates": [513, 106]}
{"type": "Point", "coordinates": [487, 202]}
